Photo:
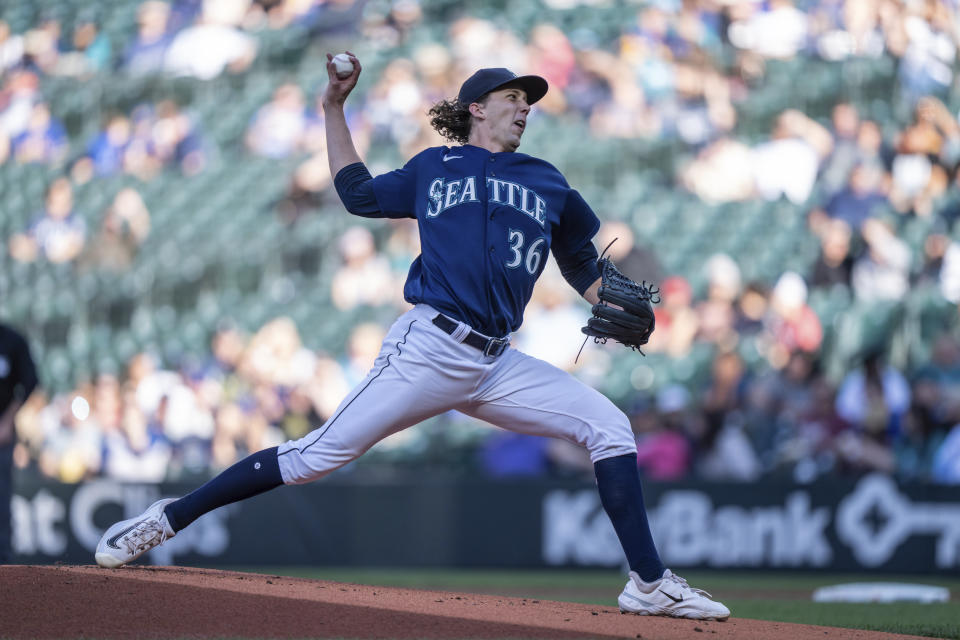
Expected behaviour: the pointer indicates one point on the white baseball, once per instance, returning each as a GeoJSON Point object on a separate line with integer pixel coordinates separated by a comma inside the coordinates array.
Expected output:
{"type": "Point", "coordinates": [343, 65]}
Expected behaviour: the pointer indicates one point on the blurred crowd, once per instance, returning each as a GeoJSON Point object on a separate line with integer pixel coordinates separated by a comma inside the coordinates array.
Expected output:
{"type": "Point", "coordinates": [682, 72]}
{"type": "Point", "coordinates": [151, 423]}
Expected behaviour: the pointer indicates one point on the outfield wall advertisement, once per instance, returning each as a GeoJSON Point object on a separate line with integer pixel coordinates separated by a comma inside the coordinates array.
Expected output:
{"type": "Point", "coordinates": [871, 524]}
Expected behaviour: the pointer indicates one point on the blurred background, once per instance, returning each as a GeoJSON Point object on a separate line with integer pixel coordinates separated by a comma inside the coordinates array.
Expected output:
{"type": "Point", "coordinates": [192, 290]}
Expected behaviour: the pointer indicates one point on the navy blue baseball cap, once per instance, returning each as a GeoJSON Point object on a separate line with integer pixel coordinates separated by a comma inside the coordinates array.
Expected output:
{"type": "Point", "coordinates": [486, 80]}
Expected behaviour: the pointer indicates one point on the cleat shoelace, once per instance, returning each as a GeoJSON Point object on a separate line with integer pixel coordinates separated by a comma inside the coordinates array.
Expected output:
{"type": "Point", "coordinates": [683, 583]}
{"type": "Point", "coordinates": [145, 536]}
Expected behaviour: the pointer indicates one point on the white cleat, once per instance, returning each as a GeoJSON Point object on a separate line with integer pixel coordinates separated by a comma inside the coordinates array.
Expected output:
{"type": "Point", "coordinates": [669, 596]}
{"type": "Point", "coordinates": [127, 540]}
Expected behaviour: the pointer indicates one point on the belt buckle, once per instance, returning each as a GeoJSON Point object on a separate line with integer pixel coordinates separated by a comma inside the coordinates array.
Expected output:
{"type": "Point", "coordinates": [494, 347]}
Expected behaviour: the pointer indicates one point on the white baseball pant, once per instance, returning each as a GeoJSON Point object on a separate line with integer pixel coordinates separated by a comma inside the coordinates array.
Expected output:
{"type": "Point", "coordinates": [422, 372]}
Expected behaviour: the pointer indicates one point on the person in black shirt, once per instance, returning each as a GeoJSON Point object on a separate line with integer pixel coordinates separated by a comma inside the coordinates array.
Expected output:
{"type": "Point", "coordinates": [18, 379]}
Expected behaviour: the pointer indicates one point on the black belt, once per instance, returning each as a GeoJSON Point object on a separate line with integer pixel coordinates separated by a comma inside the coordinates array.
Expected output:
{"type": "Point", "coordinates": [489, 346]}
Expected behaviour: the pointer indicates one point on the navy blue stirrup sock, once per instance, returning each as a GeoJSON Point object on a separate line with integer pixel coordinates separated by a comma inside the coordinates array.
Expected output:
{"type": "Point", "coordinates": [255, 474]}
{"type": "Point", "coordinates": [618, 481]}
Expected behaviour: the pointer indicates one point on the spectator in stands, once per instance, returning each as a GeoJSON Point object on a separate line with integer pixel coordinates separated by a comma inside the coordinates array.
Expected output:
{"type": "Point", "coordinates": [932, 113]}
{"type": "Point", "coordinates": [145, 54]}
{"type": "Point", "coordinates": [552, 321]}
{"type": "Point", "coordinates": [19, 93]}
{"type": "Point", "coordinates": [946, 461]}
{"type": "Point", "coordinates": [124, 227]}
{"type": "Point", "coordinates": [790, 325]}
{"type": "Point", "coordinates": [364, 276]}
{"type": "Point", "coordinates": [363, 345]}
{"type": "Point", "coordinates": [663, 449]}
{"type": "Point", "coordinates": [44, 140]}
{"type": "Point", "coordinates": [300, 415]}
{"type": "Point", "coordinates": [138, 157]}
{"type": "Point", "coordinates": [874, 398]}
{"type": "Point", "coordinates": [213, 44]}
{"type": "Point", "coordinates": [935, 247]}
{"type": "Point", "coordinates": [834, 263]}
{"type": "Point", "coordinates": [395, 105]}
{"type": "Point", "coordinates": [949, 276]}
{"type": "Point", "coordinates": [327, 388]}
{"type": "Point", "coordinates": [175, 141]}
{"type": "Point", "coordinates": [918, 175]}
{"type": "Point", "coordinates": [924, 428]}
{"type": "Point", "coordinates": [882, 272]}
{"type": "Point", "coordinates": [751, 309]}
{"type": "Point", "coordinates": [276, 356]}
{"type": "Point", "coordinates": [776, 29]}
{"type": "Point", "coordinates": [106, 151]}
{"type": "Point", "coordinates": [73, 442]}
{"type": "Point", "coordinates": [721, 172]}
{"type": "Point", "coordinates": [845, 123]}
{"type": "Point", "coordinates": [631, 257]}
{"type": "Point", "coordinates": [551, 56]}
{"type": "Point", "coordinates": [11, 48]}
{"type": "Point", "coordinates": [134, 449]}
{"type": "Point", "coordinates": [794, 387]}
{"type": "Point", "coordinates": [862, 198]}
{"type": "Point", "coordinates": [788, 163]}
{"type": "Point", "coordinates": [228, 435]}
{"type": "Point", "coordinates": [677, 322]}
{"type": "Point", "coordinates": [278, 127]}
{"type": "Point", "coordinates": [41, 46]}
{"type": "Point", "coordinates": [57, 234]}
{"type": "Point", "coordinates": [626, 112]}
{"type": "Point", "coordinates": [716, 315]}
{"type": "Point", "coordinates": [724, 451]}
{"type": "Point", "coordinates": [309, 188]}
{"type": "Point", "coordinates": [813, 443]}
{"type": "Point", "coordinates": [926, 44]}
{"type": "Point", "coordinates": [165, 397]}
{"type": "Point", "coordinates": [91, 52]}
{"type": "Point", "coordinates": [944, 365]}
{"type": "Point", "coordinates": [4, 147]}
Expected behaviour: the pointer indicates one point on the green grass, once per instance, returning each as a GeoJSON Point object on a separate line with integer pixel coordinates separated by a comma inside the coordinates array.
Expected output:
{"type": "Point", "coordinates": [935, 620]}
{"type": "Point", "coordinates": [781, 597]}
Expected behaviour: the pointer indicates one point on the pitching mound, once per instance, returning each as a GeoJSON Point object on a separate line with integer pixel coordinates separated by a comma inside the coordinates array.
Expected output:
{"type": "Point", "coordinates": [173, 602]}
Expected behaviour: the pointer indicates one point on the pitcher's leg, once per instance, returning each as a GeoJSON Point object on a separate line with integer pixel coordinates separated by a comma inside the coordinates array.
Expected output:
{"type": "Point", "coordinates": [531, 396]}
{"type": "Point", "coordinates": [253, 475]}
{"type": "Point", "coordinates": [263, 470]}
{"type": "Point", "coordinates": [406, 386]}
{"type": "Point", "coordinates": [528, 395]}
{"type": "Point", "coordinates": [403, 388]}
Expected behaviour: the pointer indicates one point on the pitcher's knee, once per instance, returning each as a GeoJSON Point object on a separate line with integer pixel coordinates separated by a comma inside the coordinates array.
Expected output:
{"type": "Point", "coordinates": [611, 436]}
{"type": "Point", "coordinates": [302, 463]}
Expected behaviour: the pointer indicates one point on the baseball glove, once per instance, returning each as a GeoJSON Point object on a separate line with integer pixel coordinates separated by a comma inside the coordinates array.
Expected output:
{"type": "Point", "coordinates": [631, 320]}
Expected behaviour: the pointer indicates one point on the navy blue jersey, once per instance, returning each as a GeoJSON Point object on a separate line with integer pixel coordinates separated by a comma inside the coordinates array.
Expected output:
{"type": "Point", "coordinates": [487, 221]}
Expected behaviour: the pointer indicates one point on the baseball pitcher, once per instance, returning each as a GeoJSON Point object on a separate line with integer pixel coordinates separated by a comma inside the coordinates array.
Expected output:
{"type": "Point", "coordinates": [487, 216]}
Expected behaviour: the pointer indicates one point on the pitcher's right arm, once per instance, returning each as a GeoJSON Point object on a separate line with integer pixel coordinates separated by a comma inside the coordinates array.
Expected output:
{"type": "Point", "coordinates": [340, 149]}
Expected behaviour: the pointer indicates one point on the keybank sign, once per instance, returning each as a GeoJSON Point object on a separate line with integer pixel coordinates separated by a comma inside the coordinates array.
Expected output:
{"type": "Point", "coordinates": [874, 525]}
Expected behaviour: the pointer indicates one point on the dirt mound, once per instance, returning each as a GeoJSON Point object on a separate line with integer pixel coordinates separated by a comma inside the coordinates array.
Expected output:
{"type": "Point", "coordinates": [171, 602]}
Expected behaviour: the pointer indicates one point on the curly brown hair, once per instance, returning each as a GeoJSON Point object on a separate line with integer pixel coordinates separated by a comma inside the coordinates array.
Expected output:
{"type": "Point", "coordinates": [451, 119]}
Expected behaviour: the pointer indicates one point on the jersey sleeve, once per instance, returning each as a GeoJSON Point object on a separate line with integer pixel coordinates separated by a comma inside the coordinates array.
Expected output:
{"type": "Point", "coordinates": [578, 225]}
{"type": "Point", "coordinates": [396, 191]}
{"type": "Point", "coordinates": [572, 243]}
{"type": "Point", "coordinates": [354, 185]}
